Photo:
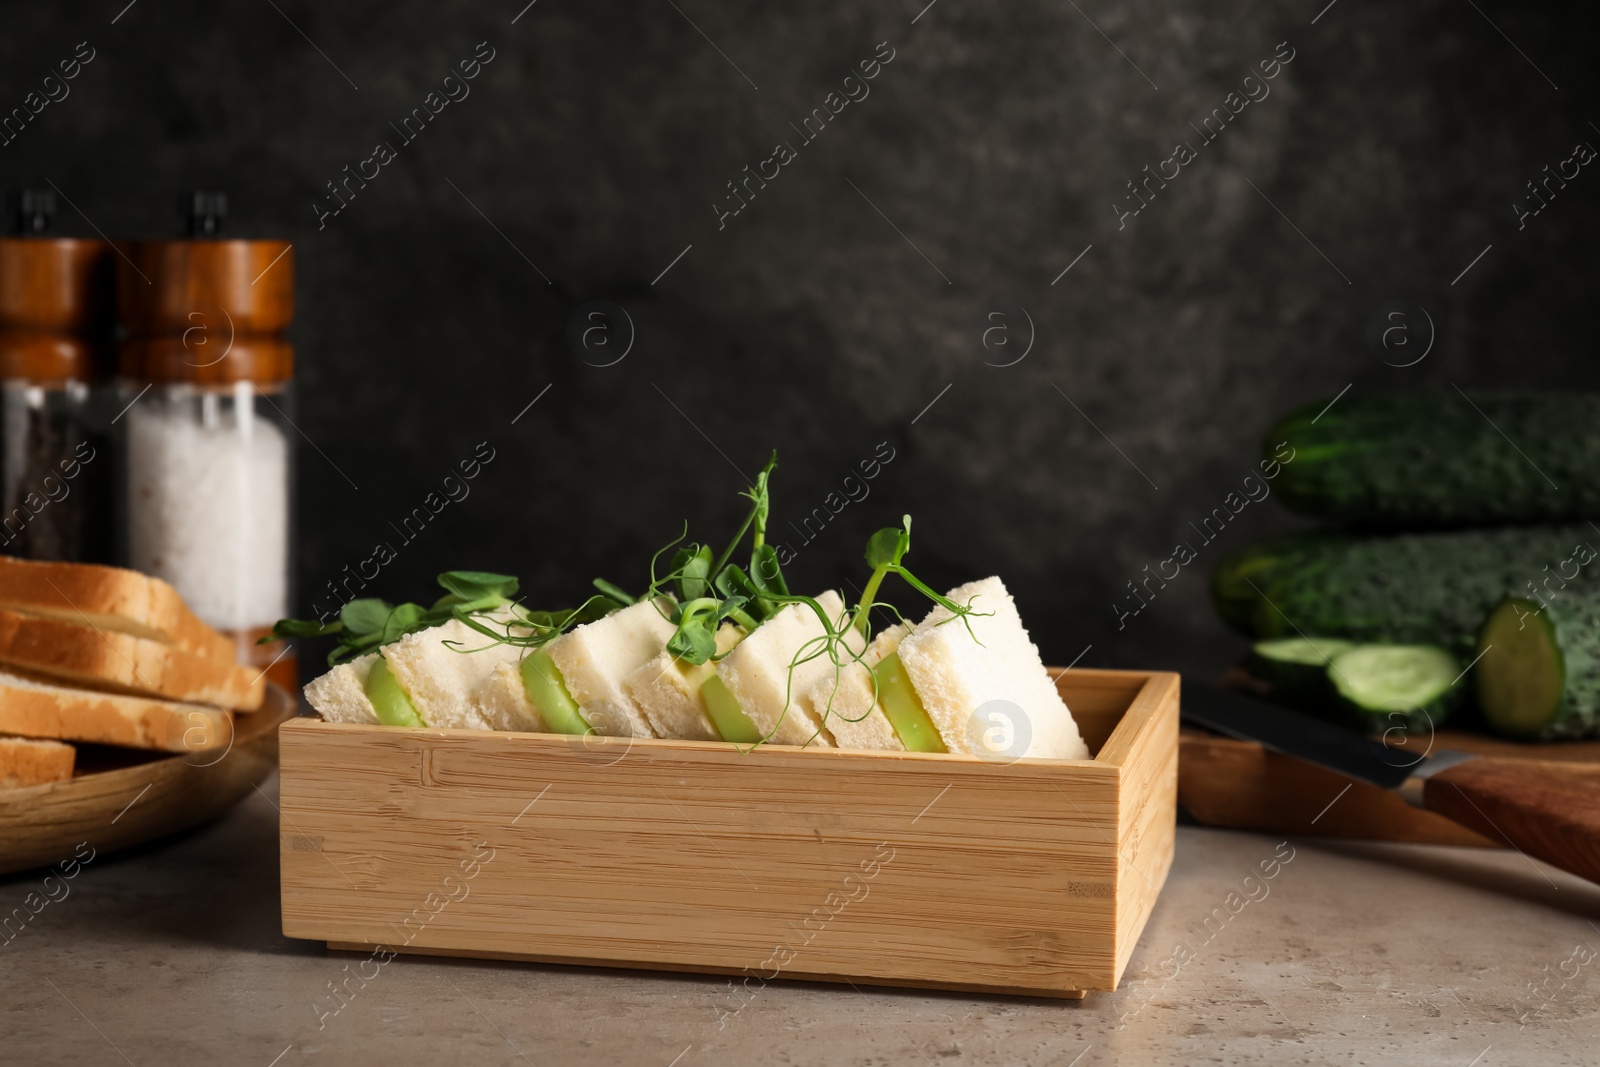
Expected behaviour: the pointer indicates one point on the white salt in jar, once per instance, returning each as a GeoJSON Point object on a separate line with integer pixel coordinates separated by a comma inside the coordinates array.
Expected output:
{"type": "Point", "coordinates": [206, 432]}
{"type": "Point", "coordinates": [208, 499]}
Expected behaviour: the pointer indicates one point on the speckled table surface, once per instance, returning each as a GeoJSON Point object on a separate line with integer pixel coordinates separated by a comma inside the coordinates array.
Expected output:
{"type": "Point", "coordinates": [1354, 954]}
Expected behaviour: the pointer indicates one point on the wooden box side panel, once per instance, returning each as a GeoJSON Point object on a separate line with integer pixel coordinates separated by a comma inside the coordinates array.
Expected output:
{"type": "Point", "coordinates": [922, 870]}
{"type": "Point", "coordinates": [1148, 806]}
{"type": "Point", "coordinates": [1098, 699]}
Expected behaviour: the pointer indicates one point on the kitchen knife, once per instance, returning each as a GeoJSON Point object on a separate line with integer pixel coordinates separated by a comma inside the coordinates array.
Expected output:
{"type": "Point", "coordinates": [1545, 809]}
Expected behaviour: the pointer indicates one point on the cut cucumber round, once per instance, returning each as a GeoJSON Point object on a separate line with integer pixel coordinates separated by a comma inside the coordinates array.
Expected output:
{"type": "Point", "coordinates": [1539, 675]}
{"type": "Point", "coordinates": [1296, 668]}
{"type": "Point", "coordinates": [1413, 687]}
{"type": "Point", "coordinates": [393, 706]}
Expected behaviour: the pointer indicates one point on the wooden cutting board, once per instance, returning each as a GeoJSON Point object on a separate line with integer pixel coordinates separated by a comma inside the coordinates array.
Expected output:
{"type": "Point", "coordinates": [1240, 785]}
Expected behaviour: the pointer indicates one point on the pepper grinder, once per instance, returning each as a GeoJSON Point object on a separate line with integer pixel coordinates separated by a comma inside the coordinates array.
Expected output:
{"type": "Point", "coordinates": [56, 479]}
{"type": "Point", "coordinates": [206, 371]}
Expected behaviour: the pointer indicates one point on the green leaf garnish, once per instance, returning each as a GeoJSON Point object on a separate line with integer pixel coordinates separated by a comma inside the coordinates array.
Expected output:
{"type": "Point", "coordinates": [365, 616]}
{"type": "Point", "coordinates": [613, 591]}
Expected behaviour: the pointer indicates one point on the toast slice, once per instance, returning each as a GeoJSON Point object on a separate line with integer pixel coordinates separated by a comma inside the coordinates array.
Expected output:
{"type": "Point", "coordinates": [27, 761]}
{"type": "Point", "coordinates": [32, 708]}
{"type": "Point", "coordinates": [111, 599]}
{"type": "Point", "coordinates": [50, 646]}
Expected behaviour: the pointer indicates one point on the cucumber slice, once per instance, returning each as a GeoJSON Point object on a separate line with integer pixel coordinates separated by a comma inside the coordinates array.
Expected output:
{"type": "Point", "coordinates": [726, 714]}
{"type": "Point", "coordinates": [1296, 668]}
{"type": "Point", "coordinates": [393, 706]}
{"type": "Point", "coordinates": [904, 708]}
{"type": "Point", "coordinates": [1522, 677]}
{"type": "Point", "coordinates": [547, 691]}
{"type": "Point", "coordinates": [1409, 686]}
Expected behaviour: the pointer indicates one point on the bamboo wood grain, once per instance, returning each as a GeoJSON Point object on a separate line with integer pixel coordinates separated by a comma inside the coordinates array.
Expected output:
{"type": "Point", "coordinates": [1545, 810]}
{"type": "Point", "coordinates": [120, 798]}
{"type": "Point", "coordinates": [895, 868]}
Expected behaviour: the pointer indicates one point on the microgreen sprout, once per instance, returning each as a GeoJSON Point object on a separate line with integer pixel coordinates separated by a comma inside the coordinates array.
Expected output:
{"type": "Point", "coordinates": [473, 598]}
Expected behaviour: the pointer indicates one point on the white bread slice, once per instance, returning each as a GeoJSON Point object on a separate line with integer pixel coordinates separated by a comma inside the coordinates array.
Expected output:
{"type": "Point", "coordinates": [86, 656]}
{"type": "Point", "coordinates": [26, 761]}
{"type": "Point", "coordinates": [854, 718]}
{"type": "Point", "coordinates": [31, 708]}
{"type": "Point", "coordinates": [758, 673]}
{"type": "Point", "coordinates": [667, 690]}
{"type": "Point", "coordinates": [505, 704]}
{"type": "Point", "coordinates": [444, 669]}
{"type": "Point", "coordinates": [340, 695]}
{"type": "Point", "coordinates": [109, 598]}
{"type": "Point", "coordinates": [955, 675]}
{"type": "Point", "coordinates": [596, 659]}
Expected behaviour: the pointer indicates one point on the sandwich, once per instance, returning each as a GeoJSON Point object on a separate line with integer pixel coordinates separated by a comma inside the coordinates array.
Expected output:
{"type": "Point", "coordinates": [960, 674]}
{"type": "Point", "coordinates": [847, 704]}
{"type": "Point", "coordinates": [454, 675]}
{"type": "Point", "coordinates": [671, 691]}
{"type": "Point", "coordinates": [583, 672]}
{"type": "Point", "coordinates": [711, 652]}
{"type": "Point", "coordinates": [762, 678]}
{"type": "Point", "coordinates": [973, 685]}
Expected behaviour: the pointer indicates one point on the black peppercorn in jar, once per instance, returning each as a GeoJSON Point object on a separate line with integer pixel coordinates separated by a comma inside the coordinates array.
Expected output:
{"type": "Point", "coordinates": [56, 479]}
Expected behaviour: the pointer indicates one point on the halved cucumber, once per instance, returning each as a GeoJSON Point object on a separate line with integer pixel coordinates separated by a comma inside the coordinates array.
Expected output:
{"type": "Point", "coordinates": [1413, 687]}
{"type": "Point", "coordinates": [904, 708]}
{"type": "Point", "coordinates": [393, 706]}
{"type": "Point", "coordinates": [547, 691]}
{"type": "Point", "coordinates": [1539, 671]}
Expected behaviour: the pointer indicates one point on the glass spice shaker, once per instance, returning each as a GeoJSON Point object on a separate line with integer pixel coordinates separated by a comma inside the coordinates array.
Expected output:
{"type": "Point", "coordinates": [206, 372]}
{"type": "Point", "coordinates": [56, 476]}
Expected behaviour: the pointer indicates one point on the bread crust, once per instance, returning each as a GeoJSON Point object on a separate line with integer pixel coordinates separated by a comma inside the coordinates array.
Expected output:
{"type": "Point", "coordinates": [28, 761]}
{"type": "Point", "coordinates": [37, 709]}
{"type": "Point", "coordinates": [110, 598]}
{"type": "Point", "coordinates": [82, 655]}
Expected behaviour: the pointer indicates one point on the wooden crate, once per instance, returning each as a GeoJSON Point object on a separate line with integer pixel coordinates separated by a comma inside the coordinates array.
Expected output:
{"type": "Point", "coordinates": [943, 871]}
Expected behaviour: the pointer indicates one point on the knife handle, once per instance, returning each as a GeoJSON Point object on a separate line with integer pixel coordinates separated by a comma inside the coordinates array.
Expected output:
{"type": "Point", "coordinates": [1544, 809]}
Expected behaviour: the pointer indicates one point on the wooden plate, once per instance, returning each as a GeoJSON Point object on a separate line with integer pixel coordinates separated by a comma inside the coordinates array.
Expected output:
{"type": "Point", "coordinates": [123, 797]}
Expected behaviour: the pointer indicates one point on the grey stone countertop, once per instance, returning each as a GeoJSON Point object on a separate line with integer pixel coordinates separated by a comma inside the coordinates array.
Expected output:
{"type": "Point", "coordinates": [1357, 954]}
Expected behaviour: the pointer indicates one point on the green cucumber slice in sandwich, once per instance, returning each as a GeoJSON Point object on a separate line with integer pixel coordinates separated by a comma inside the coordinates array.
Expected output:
{"type": "Point", "coordinates": [390, 702]}
{"type": "Point", "coordinates": [904, 709]}
{"type": "Point", "coordinates": [727, 717]}
{"type": "Point", "coordinates": [547, 691]}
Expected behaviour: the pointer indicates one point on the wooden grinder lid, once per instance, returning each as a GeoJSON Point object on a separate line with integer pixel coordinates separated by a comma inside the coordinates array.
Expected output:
{"type": "Point", "coordinates": [55, 299]}
{"type": "Point", "coordinates": [204, 310]}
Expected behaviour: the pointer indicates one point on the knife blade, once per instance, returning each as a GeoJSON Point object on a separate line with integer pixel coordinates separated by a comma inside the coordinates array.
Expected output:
{"type": "Point", "coordinates": [1360, 756]}
{"type": "Point", "coordinates": [1545, 809]}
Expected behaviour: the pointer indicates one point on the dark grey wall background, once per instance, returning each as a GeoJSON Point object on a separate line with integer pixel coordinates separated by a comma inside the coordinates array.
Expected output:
{"type": "Point", "coordinates": [1391, 149]}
